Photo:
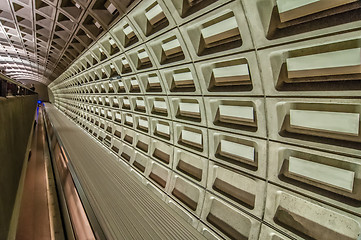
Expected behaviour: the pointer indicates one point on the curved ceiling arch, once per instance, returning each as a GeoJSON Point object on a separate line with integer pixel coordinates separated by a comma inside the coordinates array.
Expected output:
{"type": "Point", "coordinates": [46, 36]}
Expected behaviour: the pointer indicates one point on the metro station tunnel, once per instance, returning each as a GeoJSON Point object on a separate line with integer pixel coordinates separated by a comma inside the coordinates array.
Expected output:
{"type": "Point", "coordinates": [180, 119]}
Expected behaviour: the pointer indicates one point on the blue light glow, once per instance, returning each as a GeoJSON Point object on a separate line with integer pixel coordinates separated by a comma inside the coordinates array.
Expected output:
{"type": "Point", "coordinates": [39, 102]}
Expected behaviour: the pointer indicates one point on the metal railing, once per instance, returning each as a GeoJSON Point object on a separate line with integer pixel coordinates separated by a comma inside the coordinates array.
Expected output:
{"type": "Point", "coordinates": [10, 87]}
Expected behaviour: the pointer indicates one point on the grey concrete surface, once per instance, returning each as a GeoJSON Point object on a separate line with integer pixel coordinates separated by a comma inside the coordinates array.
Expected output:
{"type": "Point", "coordinates": [16, 118]}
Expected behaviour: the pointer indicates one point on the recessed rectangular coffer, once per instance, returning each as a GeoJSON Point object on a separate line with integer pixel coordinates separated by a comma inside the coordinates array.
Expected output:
{"type": "Point", "coordinates": [337, 122]}
{"type": "Point", "coordinates": [290, 10]}
{"type": "Point", "coordinates": [231, 75]}
{"type": "Point", "coordinates": [342, 62]}
{"type": "Point", "coordinates": [324, 174]}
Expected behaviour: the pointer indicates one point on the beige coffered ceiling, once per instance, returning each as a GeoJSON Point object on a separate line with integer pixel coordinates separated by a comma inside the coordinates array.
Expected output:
{"type": "Point", "coordinates": [40, 38]}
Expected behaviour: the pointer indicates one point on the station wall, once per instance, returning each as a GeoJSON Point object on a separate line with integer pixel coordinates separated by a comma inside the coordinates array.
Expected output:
{"type": "Point", "coordinates": [244, 116]}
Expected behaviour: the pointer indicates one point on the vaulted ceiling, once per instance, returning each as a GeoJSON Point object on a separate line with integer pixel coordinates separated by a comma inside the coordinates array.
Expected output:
{"type": "Point", "coordinates": [40, 38]}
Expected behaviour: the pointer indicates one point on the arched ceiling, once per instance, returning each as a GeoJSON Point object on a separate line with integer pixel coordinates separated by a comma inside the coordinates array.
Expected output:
{"type": "Point", "coordinates": [40, 38]}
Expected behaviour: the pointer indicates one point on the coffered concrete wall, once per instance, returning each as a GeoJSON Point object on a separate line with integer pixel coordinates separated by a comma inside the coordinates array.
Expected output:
{"type": "Point", "coordinates": [244, 116]}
